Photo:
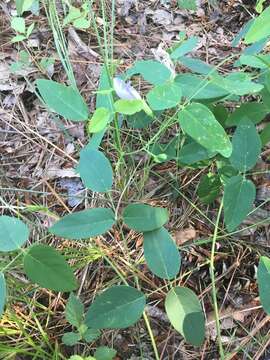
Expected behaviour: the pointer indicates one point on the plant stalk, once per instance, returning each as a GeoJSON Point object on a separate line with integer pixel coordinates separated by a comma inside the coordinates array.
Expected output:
{"type": "Point", "coordinates": [214, 291]}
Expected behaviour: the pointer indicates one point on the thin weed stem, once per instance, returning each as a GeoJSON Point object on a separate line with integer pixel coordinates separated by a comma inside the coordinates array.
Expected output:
{"type": "Point", "coordinates": [213, 282]}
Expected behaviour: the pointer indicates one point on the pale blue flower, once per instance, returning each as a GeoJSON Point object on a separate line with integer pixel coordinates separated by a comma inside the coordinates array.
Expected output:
{"type": "Point", "coordinates": [124, 90]}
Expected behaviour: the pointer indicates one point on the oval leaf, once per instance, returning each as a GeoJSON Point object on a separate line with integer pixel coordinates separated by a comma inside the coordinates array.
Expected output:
{"type": "Point", "coordinates": [260, 28]}
{"type": "Point", "coordinates": [3, 293]}
{"type": "Point", "coordinates": [185, 314]}
{"type": "Point", "coordinates": [84, 224]}
{"type": "Point", "coordinates": [13, 233]}
{"type": "Point", "coordinates": [99, 120]}
{"type": "Point", "coordinates": [104, 353]}
{"type": "Point", "coordinates": [193, 152]}
{"type": "Point", "coordinates": [128, 107]}
{"type": "Point", "coordinates": [95, 170]}
{"type": "Point", "coordinates": [116, 308]}
{"type": "Point", "coordinates": [246, 146]}
{"type": "Point", "coordinates": [252, 111]}
{"type": "Point", "coordinates": [74, 311]}
{"type": "Point", "coordinates": [263, 276]}
{"type": "Point", "coordinates": [161, 253]}
{"type": "Point", "coordinates": [185, 47]}
{"type": "Point", "coordinates": [143, 217]}
{"type": "Point", "coordinates": [64, 100]}
{"type": "Point", "coordinates": [199, 123]}
{"type": "Point", "coordinates": [48, 268]}
{"type": "Point", "coordinates": [239, 195]}
{"type": "Point", "coordinates": [152, 71]}
{"type": "Point", "coordinates": [164, 96]}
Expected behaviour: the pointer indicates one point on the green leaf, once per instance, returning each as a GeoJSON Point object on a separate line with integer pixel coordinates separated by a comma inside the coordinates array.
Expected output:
{"type": "Point", "coordinates": [3, 293]}
{"type": "Point", "coordinates": [143, 217]}
{"type": "Point", "coordinates": [265, 135]}
{"type": "Point", "coordinates": [187, 4]}
{"type": "Point", "coordinates": [140, 120]}
{"type": "Point", "coordinates": [237, 83]}
{"type": "Point", "coordinates": [18, 24]}
{"type": "Point", "coordinates": [185, 314]}
{"type": "Point", "coordinates": [259, 5]}
{"type": "Point", "coordinates": [256, 61]}
{"type": "Point", "coordinates": [164, 96]}
{"type": "Point", "coordinates": [185, 47]}
{"type": "Point", "coordinates": [239, 195]}
{"type": "Point", "coordinates": [74, 310]}
{"type": "Point", "coordinates": [18, 38]}
{"type": "Point", "coordinates": [193, 152]}
{"type": "Point", "coordinates": [161, 253]}
{"type": "Point", "coordinates": [246, 146]}
{"type": "Point", "coordinates": [103, 100]}
{"type": "Point", "coordinates": [221, 114]}
{"type": "Point", "coordinates": [13, 233]}
{"type": "Point", "coordinates": [64, 100]}
{"type": "Point", "coordinates": [30, 30]}
{"type": "Point", "coordinates": [196, 88]}
{"type": "Point", "coordinates": [225, 170]}
{"type": "Point", "coordinates": [48, 268]}
{"type": "Point", "coordinates": [95, 170]}
{"type": "Point", "coordinates": [128, 107]}
{"type": "Point", "coordinates": [242, 33]}
{"type": "Point", "coordinates": [81, 23]}
{"type": "Point", "coordinates": [209, 188]}
{"type": "Point", "coordinates": [164, 152]}
{"type": "Point", "coordinates": [260, 28]}
{"type": "Point", "coordinates": [23, 5]}
{"type": "Point", "coordinates": [196, 65]}
{"type": "Point", "coordinates": [84, 224]}
{"type": "Point", "coordinates": [91, 335]}
{"type": "Point", "coordinates": [71, 338]}
{"type": "Point", "coordinates": [152, 71]}
{"type": "Point", "coordinates": [252, 111]}
{"type": "Point", "coordinates": [263, 276]}
{"type": "Point", "coordinates": [99, 120]}
{"type": "Point", "coordinates": [116, 308]}
{"type": "Point", "coordinates": [200, 124]}
{"type": "Point", "coordinates": [104, 353]}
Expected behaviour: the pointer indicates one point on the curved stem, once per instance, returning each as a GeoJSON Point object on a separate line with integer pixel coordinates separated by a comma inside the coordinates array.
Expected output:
{"type": "Point", "coordinates": [214, 292]}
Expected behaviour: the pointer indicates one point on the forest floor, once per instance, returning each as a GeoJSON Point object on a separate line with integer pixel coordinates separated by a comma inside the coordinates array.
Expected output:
{"type": "Point", "coordinates": [38, 156]}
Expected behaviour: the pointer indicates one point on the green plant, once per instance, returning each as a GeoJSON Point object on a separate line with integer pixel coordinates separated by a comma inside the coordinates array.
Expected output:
{"type": "Point", "coordinates": [78, 17]}
{"type": "Point", "coordinates": [227, 146]}
{"type": "Point", "coordinates": [18, 24]}
{"type": "Point", "coordinates": [74, 312]}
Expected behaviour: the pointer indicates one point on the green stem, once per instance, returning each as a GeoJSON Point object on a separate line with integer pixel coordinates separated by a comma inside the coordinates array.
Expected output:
{"type": "Point", "coordinates": [150, 332]}
{"type": "Point", "coordinates": [214, 291]}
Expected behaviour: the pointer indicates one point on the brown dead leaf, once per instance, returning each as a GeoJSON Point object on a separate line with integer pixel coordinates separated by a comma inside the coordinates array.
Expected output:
{"type": "Point", "coordinates": [182, 236]}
